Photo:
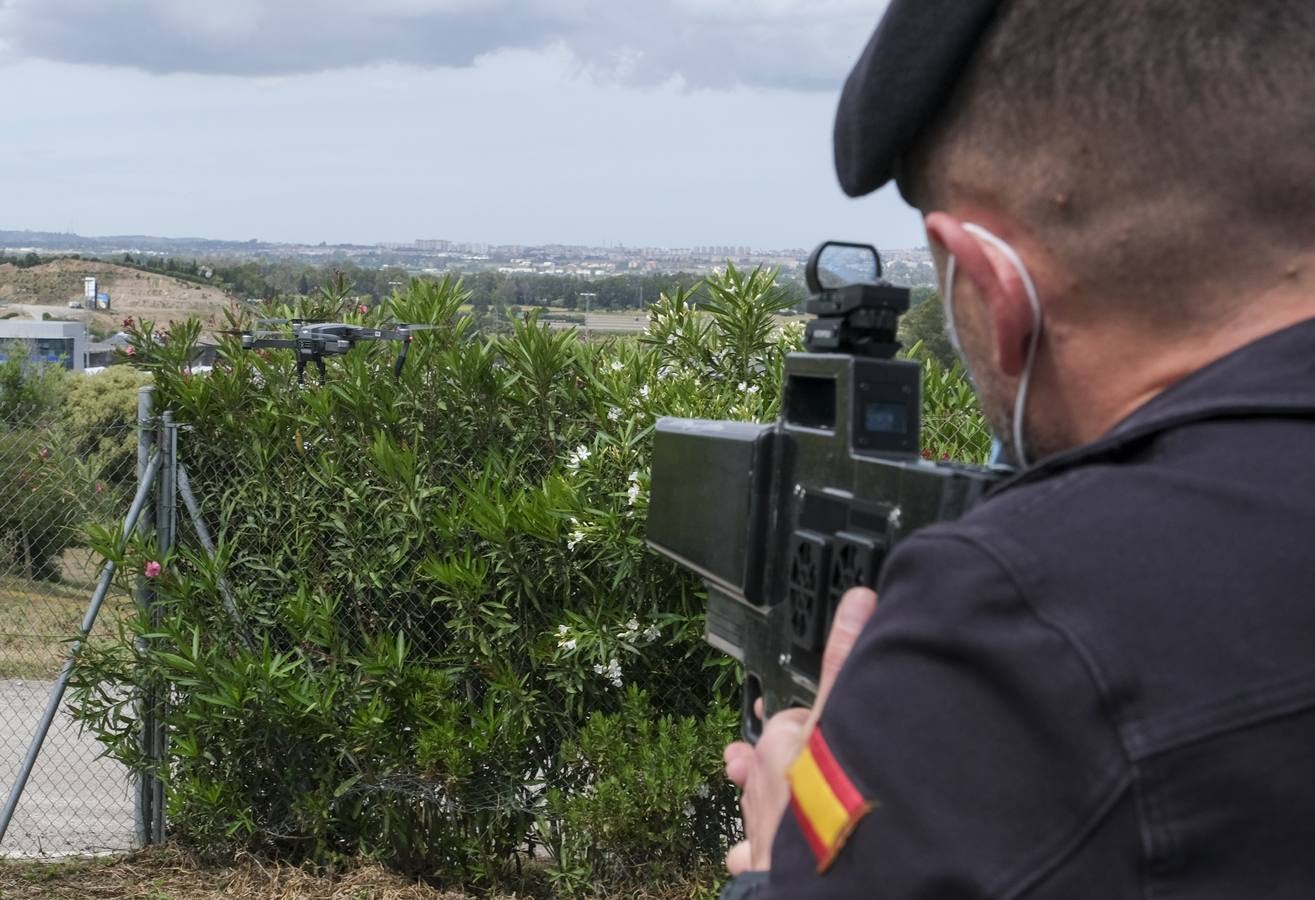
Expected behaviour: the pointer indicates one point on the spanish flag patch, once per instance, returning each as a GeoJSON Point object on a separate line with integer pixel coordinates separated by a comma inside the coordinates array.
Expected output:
{"type": "Point", "coordinates": [826, 803]}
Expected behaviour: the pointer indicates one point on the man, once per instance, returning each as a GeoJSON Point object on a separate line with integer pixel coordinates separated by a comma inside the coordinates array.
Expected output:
{"type": "Point", "coordinates": [1100, 682]}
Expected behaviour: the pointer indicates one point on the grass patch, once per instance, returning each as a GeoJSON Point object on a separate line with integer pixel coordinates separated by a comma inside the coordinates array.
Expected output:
{"type": "Point", "coordinates": [38, 619]}
{"type": "Point", "coordinates": [169, 873]}
{"type": "Point", "coordinates": [166, 873]}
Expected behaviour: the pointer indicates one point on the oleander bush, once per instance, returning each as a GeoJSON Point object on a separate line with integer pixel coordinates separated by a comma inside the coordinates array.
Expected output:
{"type": "Point", "coordinates": [447, 646]}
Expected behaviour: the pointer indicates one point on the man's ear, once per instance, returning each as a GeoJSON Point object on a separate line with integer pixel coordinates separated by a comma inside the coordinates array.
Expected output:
{"type": "Point", "coordinates": [997, 282]}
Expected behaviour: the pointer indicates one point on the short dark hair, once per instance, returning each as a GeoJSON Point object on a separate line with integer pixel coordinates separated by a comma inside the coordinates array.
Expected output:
{"type": "Point", "coordinates": [1141, 139]}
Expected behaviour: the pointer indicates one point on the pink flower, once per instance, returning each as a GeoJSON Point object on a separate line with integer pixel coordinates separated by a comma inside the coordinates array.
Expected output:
{"type": "Point", "coordinates": [128, 323]}
{"type": "Point", "coordinates": [130, 350]}
{"type": "Point", "coordinates": [44, 453]}
{"type": "Point", "coordinates": [100, 487]}
{"type": "Point", "coordinates": [152, 569]}
{"type": "Point", "coordinates": [362, 309]}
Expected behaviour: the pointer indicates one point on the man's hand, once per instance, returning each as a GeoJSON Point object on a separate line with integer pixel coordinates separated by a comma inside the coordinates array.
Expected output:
{"type": "Point", "coordinates": [760, 771]}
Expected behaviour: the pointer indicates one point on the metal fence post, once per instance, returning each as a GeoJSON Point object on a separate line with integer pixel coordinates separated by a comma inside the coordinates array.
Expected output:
{"type": "Point", "coordinates": [142, 816]}
{"type": "Point", "coordinates": [166, 517]}
{"type": "Point", "coordinates": [208, 544]}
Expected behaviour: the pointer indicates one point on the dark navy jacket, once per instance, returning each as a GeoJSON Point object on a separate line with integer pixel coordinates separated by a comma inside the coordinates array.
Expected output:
{"type": "Point", "coordinates": [1100, 683]}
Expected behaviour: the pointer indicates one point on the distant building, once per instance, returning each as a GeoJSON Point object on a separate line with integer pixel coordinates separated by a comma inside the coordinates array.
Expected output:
{"type": "Point", "coordinates": [64, 343]}
{"type": "Point", "coordinates": [106, 352]}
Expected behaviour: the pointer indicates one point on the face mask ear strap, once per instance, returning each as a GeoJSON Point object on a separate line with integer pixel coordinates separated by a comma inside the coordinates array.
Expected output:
{"type": "Point", "coordinates": [1034, 301]}
{"type": "Point", "coordinates": [950, 330]}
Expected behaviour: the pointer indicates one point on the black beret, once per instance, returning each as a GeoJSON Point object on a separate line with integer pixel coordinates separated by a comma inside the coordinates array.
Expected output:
{"type": "Point", "coordinates": [906, 74]}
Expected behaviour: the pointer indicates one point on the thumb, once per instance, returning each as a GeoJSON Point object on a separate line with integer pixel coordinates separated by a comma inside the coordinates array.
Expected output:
{"type": "Point", "coordinates": [739, 858]}
{"type": "Point", "coordinates": [852, 613]}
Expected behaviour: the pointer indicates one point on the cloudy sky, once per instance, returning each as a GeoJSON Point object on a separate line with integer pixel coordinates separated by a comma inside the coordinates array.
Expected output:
{"type": "Point", "coordinates": [643, 122]}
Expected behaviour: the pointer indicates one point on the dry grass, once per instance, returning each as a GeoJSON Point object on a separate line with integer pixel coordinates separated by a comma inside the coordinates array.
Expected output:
{"type": "Point", "coordinates": [168, 873]}
{"type": "Point", "coordinates": [37, 619]}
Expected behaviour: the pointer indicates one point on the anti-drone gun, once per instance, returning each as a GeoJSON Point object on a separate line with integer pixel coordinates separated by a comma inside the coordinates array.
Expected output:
{"type": "Point", "coordinates": [781, 519]}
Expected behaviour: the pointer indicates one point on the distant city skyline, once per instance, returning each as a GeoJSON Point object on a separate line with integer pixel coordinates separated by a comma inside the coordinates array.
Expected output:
{"type": "Point", "coordinates": [11, 240]}
{"type": "Point", "coordinates": [675, 123]}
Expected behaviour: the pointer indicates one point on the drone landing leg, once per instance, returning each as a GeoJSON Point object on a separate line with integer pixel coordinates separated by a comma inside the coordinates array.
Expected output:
{"type": "Point", "coordinates": [319, 364]}
{"type": "Point", "coordinates": [301, 372]}
{"type": "Point", "coordinates": [401, 357]}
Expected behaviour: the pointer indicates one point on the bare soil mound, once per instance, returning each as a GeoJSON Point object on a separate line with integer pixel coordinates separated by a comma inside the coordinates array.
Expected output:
{"type": "Point", "coordinates": [163, 299]}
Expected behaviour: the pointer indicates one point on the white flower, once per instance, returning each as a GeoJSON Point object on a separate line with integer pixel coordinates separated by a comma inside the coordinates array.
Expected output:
{"type": "Point", "coordinates": [632, 493]}
{"type": "Point", "coordinates": [703, 790]}
{"type": "Point", "coordinates": [651, 633]}
{"type": "Point", "coordinates": [563, 631]}
{"type": "Point", "coordinates": [742, 386]}
{"type": "Point", "coordinates": [614, 413]}
{"type": "Point", "coordinates": [567, 645]}
{"type": "Point", "coordinates": [617, 365]}
{"type": "Point", "coordinates": [753, 389]}
{"type": "Point", "coordinates": [671, 339]}
{"type": "Point", "coordinates": [577, 456]}
{"type": "Point", "coordinates": [643, 392]}
{"type": "Point", "coordinates": [576, 537]}
{"type": "Point", "coordinates": [666, 372]}
{"type": "Point", "coordinates": [611, 671]}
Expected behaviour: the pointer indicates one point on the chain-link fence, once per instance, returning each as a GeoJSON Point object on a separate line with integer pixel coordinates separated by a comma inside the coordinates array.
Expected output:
{"type": "Point", "coordinates": [955, 434]}
{"type": "Point", "coordinates": [52, 484]}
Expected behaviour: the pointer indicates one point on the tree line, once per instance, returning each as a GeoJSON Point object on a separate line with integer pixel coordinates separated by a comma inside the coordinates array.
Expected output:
{"type": "Point", "coordinates": [489, 290]}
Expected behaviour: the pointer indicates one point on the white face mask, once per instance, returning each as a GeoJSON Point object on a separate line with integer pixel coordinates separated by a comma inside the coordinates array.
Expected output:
{"type": "Point", "coordinates": [1020, 399]}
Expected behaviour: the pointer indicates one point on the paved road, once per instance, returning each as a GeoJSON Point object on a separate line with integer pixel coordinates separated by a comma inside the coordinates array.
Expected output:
{"type": "Point", "coordinates": [35, 310]}
{"type": "Point", "coordinates": [74, 802]}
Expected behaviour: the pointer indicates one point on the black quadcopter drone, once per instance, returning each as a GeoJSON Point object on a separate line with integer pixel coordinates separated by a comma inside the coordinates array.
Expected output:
{"type": "Point", "coordinates": [315, 340]}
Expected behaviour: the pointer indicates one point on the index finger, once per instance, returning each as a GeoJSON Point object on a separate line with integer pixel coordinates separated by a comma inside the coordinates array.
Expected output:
{"type": "Point", "coordinates": [852, 613]}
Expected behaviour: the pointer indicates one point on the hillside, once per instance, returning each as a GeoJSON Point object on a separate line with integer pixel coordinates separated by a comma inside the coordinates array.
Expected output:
{"type": "Point", "coordinates": [163, 299]}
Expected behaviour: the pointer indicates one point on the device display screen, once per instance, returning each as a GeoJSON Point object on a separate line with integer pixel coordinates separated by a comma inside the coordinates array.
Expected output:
{"type": "Point", "coordinates": [886, 418]}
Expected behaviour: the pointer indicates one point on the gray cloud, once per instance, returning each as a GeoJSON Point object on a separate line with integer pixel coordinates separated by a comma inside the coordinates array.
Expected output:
{"type": "Point", "coordinates": [802, 44]}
